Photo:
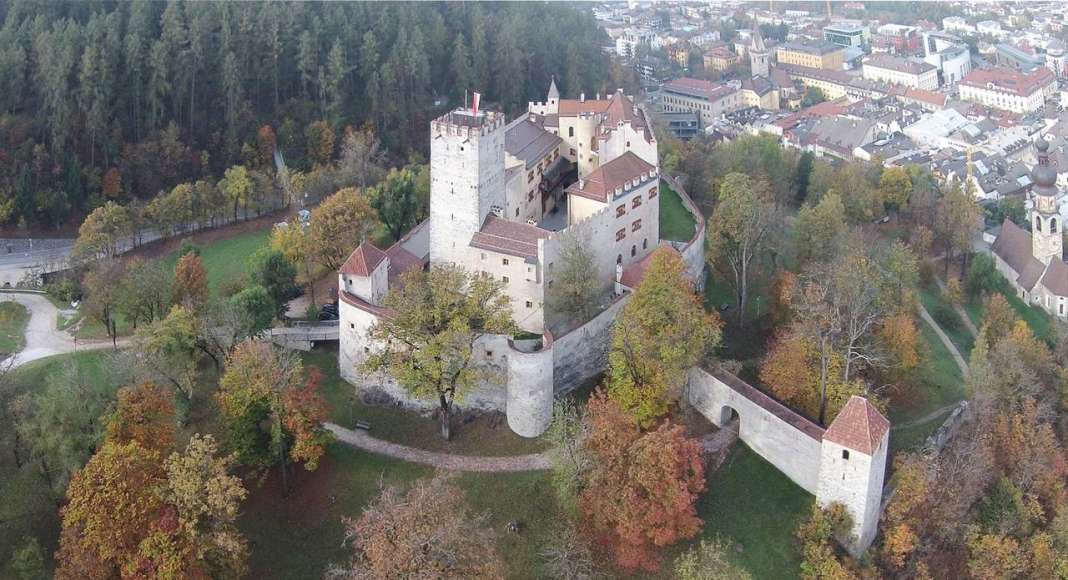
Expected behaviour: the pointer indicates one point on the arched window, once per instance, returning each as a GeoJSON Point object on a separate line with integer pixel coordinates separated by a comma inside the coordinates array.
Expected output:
{"type": "Point", "coordinates": [633, 251]}
{"type": "Point", "coordinates": [1053, 225]}
{"type": "Point", "coordinates": [1038, 223]}
{"type": "Point", "coordinates": [619, 259]}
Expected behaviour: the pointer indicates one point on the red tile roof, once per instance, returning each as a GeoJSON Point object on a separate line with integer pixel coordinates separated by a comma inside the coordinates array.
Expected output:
{"type": "Point", "coordinates": [574, 107]}
{"type": "Point", "coordinates": [507, 237]}
{"type": "Point", "coordinates": [858, 426]}
{"type": "Point", "coordinates": [600, 183]}
{"type": "Point", "coordinates": [931, 97]}
{"type": "Point", "coordinates": [401, 261]}
{"type": "Point", "coordinates": [363, 260]}
{"type": "Point", "coordinates": [1006, 79]}
{"type": "Point", "coordinates": [633, 275]}
{"type": "Point", "coordinates": [698, 88]}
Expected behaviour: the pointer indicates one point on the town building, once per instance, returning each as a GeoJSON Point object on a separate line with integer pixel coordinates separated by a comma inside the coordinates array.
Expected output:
{"type": "Point", "coordinates": [1057, 57]}
{"type": "Point", "coordinates": [949, 54]}
{"type": "Point", "coordinates": [991, 28]}
{"type": "Point", "coordinates": [898, 39]}
{"type": "Point", "coordinates": [708, 99]}
{"type": "Point", "coordinates": [957, 24]}
{"type": "Point", "coordinates": [847, 35]}
{"type": "Point", "coordinates": [1033, 262]}
{"type": "Point", "coordinates": [628, 43]}
{"type": "Point", "coordinates": [1008, 89]}
{"type": "Point", "coordinates": [891, 69]}
{"type": "Point", "coordinates": [824, 56]}
{"type": "Point", "coordinates": [1011, 56]}
{"type": "Point", "coordinates": [720, 59]}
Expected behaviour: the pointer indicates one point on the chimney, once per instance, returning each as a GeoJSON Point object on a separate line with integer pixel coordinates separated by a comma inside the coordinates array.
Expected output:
{"type": "Point", "coordinates": [582, 97]}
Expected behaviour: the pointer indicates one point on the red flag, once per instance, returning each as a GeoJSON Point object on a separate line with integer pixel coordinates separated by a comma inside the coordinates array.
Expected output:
{"type": "Point", "coordinates": [474, 105]}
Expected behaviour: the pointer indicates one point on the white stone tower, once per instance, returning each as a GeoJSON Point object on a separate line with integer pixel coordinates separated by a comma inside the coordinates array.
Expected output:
{"type": "Point", "coordinates": [1046, 234]}
{"type": "Point", "coordinates": [552, 101]}
{"type": "Point", "coordinates": [852, 467]}
{"type": "Point", "coordinates": [758, 55]}
{"type": "Point", "coordinates": [467, 179]}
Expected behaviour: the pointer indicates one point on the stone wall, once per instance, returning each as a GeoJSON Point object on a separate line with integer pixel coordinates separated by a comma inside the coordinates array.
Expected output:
{"type": "Point", "coordinates": [530, 388]}
{"type": "Point", "coordinates": [582, 353]}
{"type": "Point", "coordinates": [785, 439]}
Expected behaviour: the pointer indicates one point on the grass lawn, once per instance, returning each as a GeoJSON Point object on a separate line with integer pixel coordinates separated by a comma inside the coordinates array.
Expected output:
{"type": "Point", "coordinates": [1035, 317]}
{"type": "Point", "coordinates": [487, 434]}
{"type": "Point", "coordinates": [226, 258]}
{"type": "Point", "coordinates": [677, 224]}
{"type": "Point", "coordinates": [758, 508]}
{"type": "Point", "coordinates": [938, 384]}
{"type": "Point", "coordinates": [13, 320]}
{"type": "Point", "coordinates": [29, 510]}
{"type": "Point", "coordinates": [935, 301]}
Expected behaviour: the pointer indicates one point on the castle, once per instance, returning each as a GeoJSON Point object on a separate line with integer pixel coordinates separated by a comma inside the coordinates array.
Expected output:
{"type": "Point", "coordinates": [504, 198]}
{"type": "Point", "coordinates": [1033, 262]}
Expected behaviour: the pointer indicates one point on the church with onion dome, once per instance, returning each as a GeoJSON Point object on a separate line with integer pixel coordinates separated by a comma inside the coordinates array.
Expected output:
{"type": "Point", "coordinates": [1033, 261]}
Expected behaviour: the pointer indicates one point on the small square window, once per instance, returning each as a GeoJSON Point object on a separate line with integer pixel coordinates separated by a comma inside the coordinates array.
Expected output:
{"type": "Point", "coordinates": [845, 454]}
{"type": "Point", "coordinates": [621, 234]}
{"type": "Point", "coordinates": [504, 261]}
{"type": "Point", "coordinates": [352, 325]}
{"type": "Point", "coordinates": [504, 279]}
{"type": "Point", "coordinates": [621, 210]}
{"type": "Point", "coordinates": [530, 304]}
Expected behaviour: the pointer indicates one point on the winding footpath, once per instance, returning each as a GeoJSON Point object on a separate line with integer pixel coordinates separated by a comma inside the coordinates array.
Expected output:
{"type": "Point", "coordinates": [967, 320]}
{"type": "Point", "coordinates": [361, 440]}
{"type": "Point", "coordinates": [43, 338]}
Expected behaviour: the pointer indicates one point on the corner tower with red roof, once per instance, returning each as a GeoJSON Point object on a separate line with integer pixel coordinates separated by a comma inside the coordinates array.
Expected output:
{"type": "Point", "coordinates": [853, 465]}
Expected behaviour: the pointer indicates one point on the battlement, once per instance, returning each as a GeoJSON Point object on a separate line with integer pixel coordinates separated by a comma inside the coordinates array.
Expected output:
{"type": "Point", "coordinates": [465, 123]}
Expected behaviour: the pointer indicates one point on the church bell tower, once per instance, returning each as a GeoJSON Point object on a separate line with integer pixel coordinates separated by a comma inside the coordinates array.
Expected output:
{"type": "Point", "coordinates": [1046, 235]}
{"type": "Point", "coordinates": [758, 56]}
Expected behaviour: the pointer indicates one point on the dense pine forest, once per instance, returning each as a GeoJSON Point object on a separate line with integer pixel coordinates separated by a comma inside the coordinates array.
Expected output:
{"type": "Point", "coordinates": [122, 100]}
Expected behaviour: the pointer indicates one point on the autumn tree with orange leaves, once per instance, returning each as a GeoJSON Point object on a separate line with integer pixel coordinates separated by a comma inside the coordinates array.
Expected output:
{"type": "Point", "coordinates": [641, 492]}
{"type": "Point", "coordinates": [425, 532]}
{"type": "Point", "coordinates": [190, 286]}
{"type": "Point", "coordinates": [133, 513]}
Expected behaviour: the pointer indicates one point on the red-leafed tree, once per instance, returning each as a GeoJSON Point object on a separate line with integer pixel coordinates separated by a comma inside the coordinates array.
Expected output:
{"type": "Point", "coordinates": [642, 491]}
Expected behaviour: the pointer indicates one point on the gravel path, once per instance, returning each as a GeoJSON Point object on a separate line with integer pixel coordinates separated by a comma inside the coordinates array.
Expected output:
{"type": "Point", "coordinates": [361, 440]}
{"type": "Point", "coordinates": [945, 340]}
{"type": "Point", "coordinates": [967, 320]}
{"type": "Point", "coordinates": [43, 339]}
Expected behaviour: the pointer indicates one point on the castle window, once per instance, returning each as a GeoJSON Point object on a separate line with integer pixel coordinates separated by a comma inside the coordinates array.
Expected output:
{"type": "Point", "coordinates": [1053, 225]}
{"type": "Point", "coordinates": [645, 244]}
{"type": "Point", "coordinates": [570, 131]}
{"type": "Point", "coordinates": [1038, 223]}
{"type": "Point", "coordinates": [621, 234]}
{"type": "Point", "coordinates": [504, 279]}
{"type": "Point", "coordinates": [637, 225]}
{"type": "Point", "coordinates": [504, 261]}
{"type": "Point", "coordinates": [530, 304]}
{"type": "Point", "coordinates": [572, 151]}
{"type": "Point", "coordinates": [621, 210]}
{"type": "Point", "coordinates": [845, 454]}
{"type": "Point", "coordinates": [517, 212]}
{"type": "Point", "coordinates": [352, 325]}
{"type": "Point", "coordinates": [637, 202]}
{"type": "Point", "coordinates": [483, 255]}
{"type": "Point", "coordinates": [652, 193]}
{"type": "Point", "coordinates": [633, 251]}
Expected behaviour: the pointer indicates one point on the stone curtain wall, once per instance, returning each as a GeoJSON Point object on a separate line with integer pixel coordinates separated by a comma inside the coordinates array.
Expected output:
{"type": "Point", "coordinates": [693, 251]}
{"type": "Point", "coordinates": [582, 354]}
{"type": "Point", "coordinates": [785, 439]}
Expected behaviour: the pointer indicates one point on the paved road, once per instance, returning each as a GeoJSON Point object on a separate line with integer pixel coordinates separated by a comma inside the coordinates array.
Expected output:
{"type": "Point", "coordinates": [43, 339]}
{"type": "Point", "coordinates": [361, 440]}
